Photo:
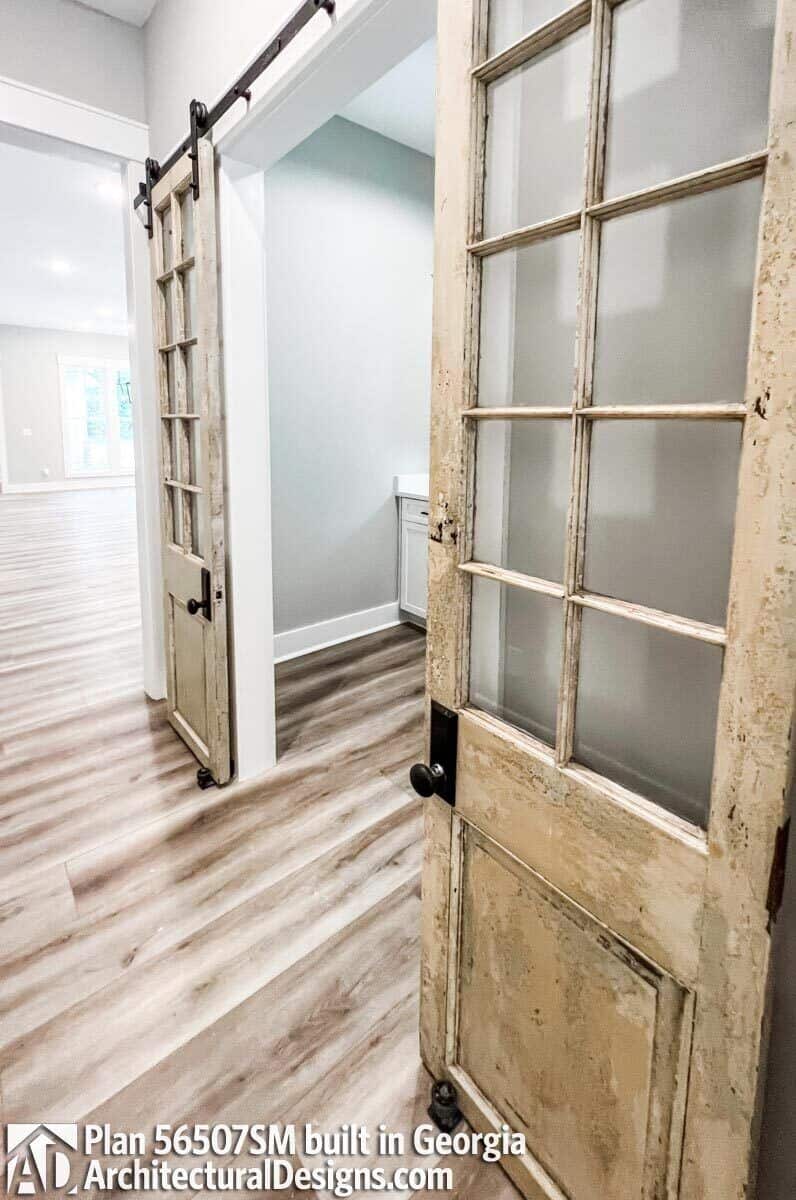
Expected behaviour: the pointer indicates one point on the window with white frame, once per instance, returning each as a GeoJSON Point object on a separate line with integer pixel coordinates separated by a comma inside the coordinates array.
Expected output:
{"type": "Point", "coordinates": [96, 405]}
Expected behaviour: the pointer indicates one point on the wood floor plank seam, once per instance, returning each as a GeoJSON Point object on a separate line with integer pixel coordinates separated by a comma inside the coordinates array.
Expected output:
{"type": "Point", "coordinates": [143, 750]}
{"type": "Point", "coordinates": [52, 1081]}
{"type": "Point", "coordinates": [308, 1029]}
{"type": "Point", "coordinates": [274, 878]}
{"type": "Point", "coordinates": [172, 954]}
{"type": "Point", "coordinates": [144, 976]}
{"type": "Point", "coordinates": [77, 863]}
{"type": "Point", "coordinates": [203, 802]}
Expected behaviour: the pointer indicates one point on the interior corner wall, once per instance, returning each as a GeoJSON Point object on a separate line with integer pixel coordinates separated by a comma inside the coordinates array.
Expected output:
{"type": "Point", "coordinates": [349, 252]}
{"type": "Point", "coordinates": [73, 51]}
{"type": "Point", "coordinates": [31, 398]}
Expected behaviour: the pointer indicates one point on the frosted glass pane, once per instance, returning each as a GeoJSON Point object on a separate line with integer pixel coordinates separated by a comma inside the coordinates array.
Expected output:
{"type": "Point", "coordinates": [175, 515]}
{"type": "Point", "coordinates": [167, 226]}
{"type": "Point", "coordinates": [186, 209]}
{"type": "Point", "coordinates": [168, 294]}
{"type": "Point", "coordinates": [515, 656]}
{"type": "Point", "coordinates": [509, 20]}
{"type": "Point", "coordinates": [529, 305]}
{"type": "Point", "coordinates": [191, 304]}
{"type": "Point", "coordinates": [689, 87]}
{"type": "Point", "coordinates": [536, 138]}
{"type": "Point", "coordinates": [675, 303]}
{"type": "Point", "coordinates": [194, 503]}
{"type": "Point", "coordinates": [170, 449]}
{"type": "Point", "coordinates": [661, 514]}
{"type": "Point", "coordinates": [646, 711]}
{"type": "Point", "coordinates": [171, 380]}
{"type": "Point", "coordinates": [521, 495]}
{"type": "Point", "coordinates": [190, 354]}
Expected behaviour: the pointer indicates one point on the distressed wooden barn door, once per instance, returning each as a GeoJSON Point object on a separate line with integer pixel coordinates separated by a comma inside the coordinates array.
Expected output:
{"type": "Point", "coordinates": [184, 263]}
{"type": "Point", "coordinates": [611, 581]}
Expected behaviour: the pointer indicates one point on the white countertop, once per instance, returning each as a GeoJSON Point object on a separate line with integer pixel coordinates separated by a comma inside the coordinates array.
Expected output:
{"type": "Point", "coordinates": [415, 487]}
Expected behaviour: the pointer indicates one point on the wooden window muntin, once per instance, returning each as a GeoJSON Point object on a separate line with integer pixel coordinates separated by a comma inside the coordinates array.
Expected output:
{"type": "Point", "coordinates": [582, 413]}
{"type": "Point", "coordinates": [180, 441]}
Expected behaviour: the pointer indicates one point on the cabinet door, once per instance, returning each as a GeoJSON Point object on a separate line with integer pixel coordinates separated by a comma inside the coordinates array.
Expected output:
{"type": "Point", "coordinates": [414, 567]}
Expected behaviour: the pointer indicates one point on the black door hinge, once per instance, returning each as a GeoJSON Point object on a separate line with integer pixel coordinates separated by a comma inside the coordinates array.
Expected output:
{"type": "Point", "coordinates": [776, 880]}
{"type": "Point", "coordinates": [439, 776]}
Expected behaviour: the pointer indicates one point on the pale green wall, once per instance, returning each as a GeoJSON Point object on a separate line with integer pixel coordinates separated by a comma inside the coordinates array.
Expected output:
{"type": "Point", "coordinates": [349, 261]}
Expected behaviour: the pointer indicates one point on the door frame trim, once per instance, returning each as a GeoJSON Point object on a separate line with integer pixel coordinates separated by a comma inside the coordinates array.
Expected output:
{"type": "Point", "coordinates": [57, 116]}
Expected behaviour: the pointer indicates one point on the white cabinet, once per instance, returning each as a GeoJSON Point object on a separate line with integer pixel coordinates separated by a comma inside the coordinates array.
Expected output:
{"type": "Point", "coordinates": [413, 556]}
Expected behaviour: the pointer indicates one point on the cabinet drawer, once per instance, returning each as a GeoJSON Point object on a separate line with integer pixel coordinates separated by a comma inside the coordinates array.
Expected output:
{"type": "Point", "coordinates": [414, 510]}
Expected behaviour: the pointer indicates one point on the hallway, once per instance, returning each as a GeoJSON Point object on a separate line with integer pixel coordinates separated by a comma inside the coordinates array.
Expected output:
{"type": "Point", "coordinates": [173, 955]}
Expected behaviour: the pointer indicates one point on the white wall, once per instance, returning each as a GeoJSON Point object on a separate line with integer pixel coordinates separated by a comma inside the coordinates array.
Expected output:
{"type": "Point", "coordinates": [31, 398]}
{"type": "Point", "coordinates": [349, 243]}
{"type": "Point", "coordinates": [63, 47]}
{"type": "Point", "coordinates": [217, 41]}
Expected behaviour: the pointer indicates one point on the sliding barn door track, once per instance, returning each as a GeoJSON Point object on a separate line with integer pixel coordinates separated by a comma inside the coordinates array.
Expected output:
{"type": "Point", "coordinates": [202, 119]}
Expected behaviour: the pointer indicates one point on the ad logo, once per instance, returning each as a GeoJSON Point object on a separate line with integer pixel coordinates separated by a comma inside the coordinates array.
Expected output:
{"type": "Point", "coordinates": [37, 1159]}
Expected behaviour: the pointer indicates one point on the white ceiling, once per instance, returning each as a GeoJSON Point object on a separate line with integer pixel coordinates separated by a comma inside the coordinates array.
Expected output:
{"type": "Point", "coordinates": [134, 12]}
{"type": "Point", "coordinates": [61, 243]}
{"type": "Point", "coordinates": [401, 105]}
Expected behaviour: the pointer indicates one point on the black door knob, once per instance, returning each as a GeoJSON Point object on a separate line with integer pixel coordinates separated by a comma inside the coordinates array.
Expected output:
{"type": "Point", "coordinates": [426, 780]}
{"type": "Point", "coordinates": [195, 606]}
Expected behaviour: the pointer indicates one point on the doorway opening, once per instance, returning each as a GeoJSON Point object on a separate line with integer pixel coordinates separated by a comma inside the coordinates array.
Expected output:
{"type": "Point", "coordinates": [349, 236]}
{"type": "Point", "coordinates": [71, 628]}
{"type": "Point", "coordinates": [349, 261]}
{"type": "Point", "coordinates": [326, 201]}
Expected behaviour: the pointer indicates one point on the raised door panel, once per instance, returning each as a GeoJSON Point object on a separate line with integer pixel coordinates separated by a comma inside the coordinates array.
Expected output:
{"type": "Point", "coordinates": [579, 1042]}
{"type": "Point", "coordinates": [190, 683]}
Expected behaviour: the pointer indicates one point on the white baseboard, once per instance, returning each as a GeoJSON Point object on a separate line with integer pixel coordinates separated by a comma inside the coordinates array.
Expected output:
{"type": "Point", "coordinates": [295, 642]}
{"type": "Point", "coordinates": [68, 485]}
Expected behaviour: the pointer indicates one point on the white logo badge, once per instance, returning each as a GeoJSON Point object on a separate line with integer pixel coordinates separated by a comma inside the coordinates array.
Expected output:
{"type": "Point", "coordinates": [37, 1162]}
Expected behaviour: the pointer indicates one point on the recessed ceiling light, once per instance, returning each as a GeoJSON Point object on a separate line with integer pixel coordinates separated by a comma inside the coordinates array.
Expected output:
{"type": "Point", "coordinates": [105, 313]}
{"type": "Point", "coordinates": [59, 266]}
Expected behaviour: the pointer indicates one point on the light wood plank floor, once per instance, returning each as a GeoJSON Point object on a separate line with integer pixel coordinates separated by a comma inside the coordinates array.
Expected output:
{"type": "Point", "coordinates": [166, 954]}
